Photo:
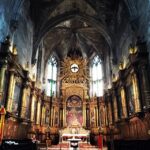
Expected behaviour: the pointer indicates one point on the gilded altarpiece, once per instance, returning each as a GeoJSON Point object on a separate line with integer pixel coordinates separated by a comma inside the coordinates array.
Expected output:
{"type": "Point", "coordinates": [74, 81]}
{"type": "Point", "coordinates": [103, 114]}
{"type": "Point", "coordinates": [55, 113]}
{"type": "Point", "coordinates": [115, 107]}
{"type": "Point", "coordinates": [25, 111]}
{"type": "Point", "coordinates": [43, 117]}
{"type": "Point", "coordinates": [93, 113]}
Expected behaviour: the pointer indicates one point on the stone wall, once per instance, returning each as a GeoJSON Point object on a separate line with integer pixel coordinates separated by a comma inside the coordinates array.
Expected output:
{"type": "Point", "coordinates": [15, 21]}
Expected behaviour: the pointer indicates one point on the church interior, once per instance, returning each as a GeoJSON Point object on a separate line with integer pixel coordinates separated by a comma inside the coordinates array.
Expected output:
{"type": "Point", "coordinates": [74, 74]}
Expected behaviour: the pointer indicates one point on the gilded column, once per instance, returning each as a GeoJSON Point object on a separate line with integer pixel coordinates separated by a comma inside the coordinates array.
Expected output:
{"type": "Point", "coordinates": [52, 111]}
{"type": "Point", "coordinates": [95, 111]}
{"type": "Point", "coordinates": [64, 115]}
{"type": "Point", "coordinates": [115, 108]}
{"type": "Point", "coordinates": [43, 115]}
{"type": "Point", "coordinates": [106, 117]}
{"type": "Point", "coordinates": [97, 117]}
{"type": "Point", "coordinates": [2, 79]}
{"type": "Point", "coordinates": [32, 106]}
{"type": "Point", "coordinates": [109, 113]}
{"type": "Point", "coordinates": [136, 93]}
{"type": "Point", "coordinates": [38, 112]}
{"type": "Point", "coordinates": [23, 104]}
{"type": "Point", "coordinates": [84, 114]}
{"type": "Point", "coordinates": [53, 114]}
{"type": "Point", "coordinates": [11, 91]}
{"type": "Point", "coordinates": [123, 101]}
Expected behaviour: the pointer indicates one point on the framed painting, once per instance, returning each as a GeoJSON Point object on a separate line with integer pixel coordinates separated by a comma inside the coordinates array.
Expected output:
{"type": "Point", "coordinates": [16, 99]}
{"type": "Point", "coordinates": [130, 96]}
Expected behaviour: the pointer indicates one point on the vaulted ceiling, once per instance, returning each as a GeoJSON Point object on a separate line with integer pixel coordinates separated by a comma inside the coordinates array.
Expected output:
{"type": "Point", "coordinates": [87, 25]}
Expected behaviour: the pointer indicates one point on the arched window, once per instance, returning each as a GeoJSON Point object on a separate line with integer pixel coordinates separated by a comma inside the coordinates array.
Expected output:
{"type": "Point", "coordinates": [96, 85]}
{"type": "Point", "coordinates": [52, 76]}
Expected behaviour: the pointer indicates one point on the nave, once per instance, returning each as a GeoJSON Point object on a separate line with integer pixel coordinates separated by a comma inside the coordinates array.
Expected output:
{"type": "Point", "coordinates": [75, 72]}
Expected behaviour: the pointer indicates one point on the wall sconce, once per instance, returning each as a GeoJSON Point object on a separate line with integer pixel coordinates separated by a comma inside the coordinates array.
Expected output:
{"type": "Point", "coordinates": [121, 65]}
{"type": "Point", "coordinates": [132, 49]}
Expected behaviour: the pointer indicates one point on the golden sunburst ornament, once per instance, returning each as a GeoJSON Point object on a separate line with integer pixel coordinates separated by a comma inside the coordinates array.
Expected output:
{"type": "Point", "coordinates": [74, 69]}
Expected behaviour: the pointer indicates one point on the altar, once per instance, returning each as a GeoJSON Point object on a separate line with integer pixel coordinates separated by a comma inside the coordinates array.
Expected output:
{"type": "Point", "coordinates": [74, 133]}
{"type": "Point", "coordinates": [74, 142]}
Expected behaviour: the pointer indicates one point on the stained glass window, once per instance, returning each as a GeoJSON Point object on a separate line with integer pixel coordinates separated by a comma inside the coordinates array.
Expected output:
{"type": "Point", "coordinates": [52, 76]}
{"type": "Point", "coordinates": [96, 85]}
